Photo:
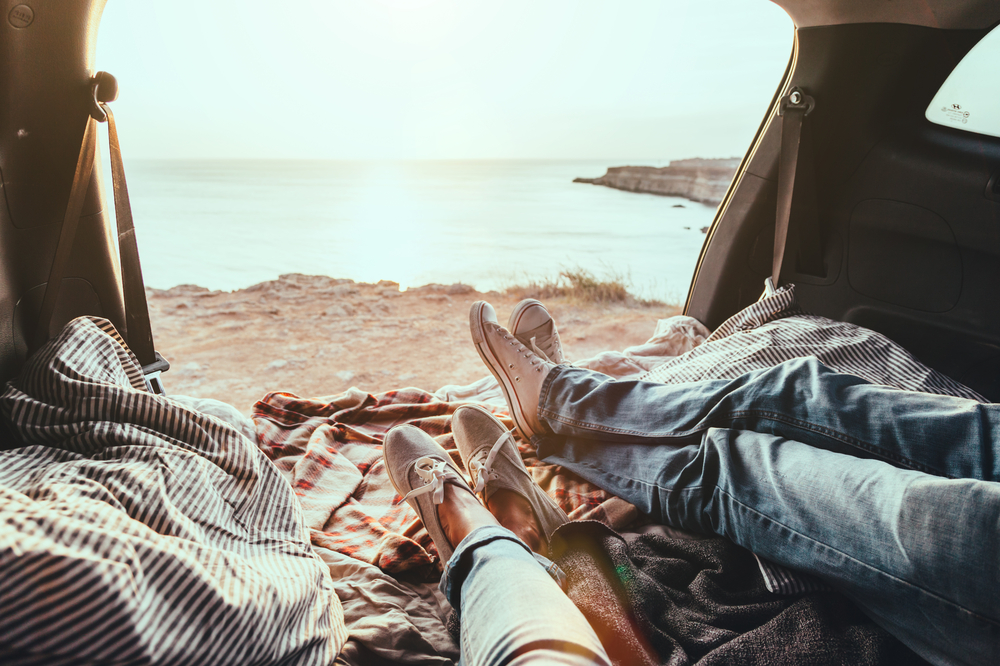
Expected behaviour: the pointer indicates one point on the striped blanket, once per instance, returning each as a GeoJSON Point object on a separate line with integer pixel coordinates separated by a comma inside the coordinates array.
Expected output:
{"type": "Point", "coordinates": [135, 530]}
{"type": "Point", "coordinates": [774, 330]}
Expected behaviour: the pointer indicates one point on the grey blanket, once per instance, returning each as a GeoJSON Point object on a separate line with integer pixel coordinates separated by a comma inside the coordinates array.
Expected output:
{"type": "Point", "coordinates": [654, 598]}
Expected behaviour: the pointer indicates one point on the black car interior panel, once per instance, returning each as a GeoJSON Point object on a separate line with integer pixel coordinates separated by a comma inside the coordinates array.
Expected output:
{"type": "Point", "coordinates": [45, 77]}
{"type": "Point", "coordinates": [908, 223]}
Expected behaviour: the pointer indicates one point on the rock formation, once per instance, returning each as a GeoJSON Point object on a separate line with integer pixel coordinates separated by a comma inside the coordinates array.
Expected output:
{"type": "Point", "coordinates": [702, 180]}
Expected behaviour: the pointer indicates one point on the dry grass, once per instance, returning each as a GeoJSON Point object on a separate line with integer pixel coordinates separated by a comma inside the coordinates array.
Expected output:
{"type": "Point", "coordinates": [578, 285]}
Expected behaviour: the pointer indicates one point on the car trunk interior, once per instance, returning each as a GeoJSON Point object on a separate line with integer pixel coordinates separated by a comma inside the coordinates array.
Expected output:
{"type": "Point", "coordinates": [907, 217]}
{"type": "Point", "coordinates": [896, 228]}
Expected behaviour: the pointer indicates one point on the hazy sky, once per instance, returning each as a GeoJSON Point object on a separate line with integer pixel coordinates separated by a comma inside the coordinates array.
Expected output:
{"type": "Point", "coordinates": [443, 79]}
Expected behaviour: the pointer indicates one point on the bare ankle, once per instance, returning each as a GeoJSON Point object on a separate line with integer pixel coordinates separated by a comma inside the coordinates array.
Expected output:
{"type": "Point", "coordinates": [514, 512]}
{"type": "Point", "coordinates": [461, 514]}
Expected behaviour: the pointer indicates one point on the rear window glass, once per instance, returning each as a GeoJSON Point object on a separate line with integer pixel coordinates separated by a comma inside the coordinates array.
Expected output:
{"type": "Point", "coordinates": [969, 100]}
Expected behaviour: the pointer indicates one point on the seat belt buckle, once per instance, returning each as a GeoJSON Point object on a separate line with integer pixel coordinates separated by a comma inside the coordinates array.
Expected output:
{"type": "Point", "coordinates": [796, 100]}
{"type": "Point", "coordinates": [769, 288]}
{"type": "Point", "coordinates": [151, 374]}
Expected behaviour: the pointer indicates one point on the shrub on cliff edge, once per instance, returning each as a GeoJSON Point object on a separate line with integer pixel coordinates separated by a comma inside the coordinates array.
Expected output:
{"type": "Point", "coordinates": [582, 286]}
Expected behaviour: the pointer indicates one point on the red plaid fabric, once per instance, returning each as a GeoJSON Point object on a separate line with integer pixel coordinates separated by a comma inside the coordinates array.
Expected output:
{"type": "Point", "coordinates": [330, 450]}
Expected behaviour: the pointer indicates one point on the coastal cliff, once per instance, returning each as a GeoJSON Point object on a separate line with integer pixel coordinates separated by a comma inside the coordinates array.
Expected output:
{"type": "Point", "coordinates": [701, 180]}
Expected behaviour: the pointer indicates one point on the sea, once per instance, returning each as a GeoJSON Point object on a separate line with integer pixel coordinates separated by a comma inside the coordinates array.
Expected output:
{"type": "Point", "coordinates": [490, 224]}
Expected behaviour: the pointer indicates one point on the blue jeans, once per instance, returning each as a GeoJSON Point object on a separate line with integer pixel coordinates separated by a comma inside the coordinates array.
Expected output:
{"type": "Point", "coordinates": [887, 495]}
{"type": "Point", "coordinates": [511, 611]}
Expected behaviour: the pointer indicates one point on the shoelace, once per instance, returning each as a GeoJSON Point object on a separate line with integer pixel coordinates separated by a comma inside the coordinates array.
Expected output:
{"type": "Point", "coordinates": [539, 345]}
{"type": "Point", "coordinates": [531, 355]}
{"type": "Point", "coordinates": [433, 473]}
{"type": "Point", "coordinates": [483, 470]}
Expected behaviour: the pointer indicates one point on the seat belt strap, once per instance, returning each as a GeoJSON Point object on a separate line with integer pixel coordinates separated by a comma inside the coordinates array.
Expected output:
{"type": "Point", "coordinates": [138, 330]}
{"type": "Point", "coordinates": [793, 108]}
{"type": "Point", "coordinates": [64, 247]}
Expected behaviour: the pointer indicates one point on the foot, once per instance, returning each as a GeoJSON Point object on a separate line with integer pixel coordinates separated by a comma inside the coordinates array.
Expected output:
{"type": "Point", "coordinates": [519, 370]}
{"type": "Point", "coordinates": [498, 473]}
{"type": "Point", "coordinates": [514, 512]}
{"type": "Point", "coordinates": [461, 514]}
{"type": "Point", "coordinates": [423, 474]}
{"type": "Point", "coordinates": [535, 328]}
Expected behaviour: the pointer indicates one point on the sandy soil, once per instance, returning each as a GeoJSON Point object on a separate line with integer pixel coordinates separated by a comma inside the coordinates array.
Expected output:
{"type": "Point", "coordinates": [316, 336]}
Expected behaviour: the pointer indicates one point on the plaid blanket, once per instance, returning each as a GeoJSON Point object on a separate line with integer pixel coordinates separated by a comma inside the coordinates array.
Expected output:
{"type": "Point", "coordinates": [330, 450]}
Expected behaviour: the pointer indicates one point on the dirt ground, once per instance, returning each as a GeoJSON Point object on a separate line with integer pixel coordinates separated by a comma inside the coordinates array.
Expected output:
{"type": "Point", "coordinates": [316, 336]}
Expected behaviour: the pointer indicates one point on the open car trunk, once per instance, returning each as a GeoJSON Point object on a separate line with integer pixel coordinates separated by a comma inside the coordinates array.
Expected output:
{"type": "Point", "coordinates": [905, 234]}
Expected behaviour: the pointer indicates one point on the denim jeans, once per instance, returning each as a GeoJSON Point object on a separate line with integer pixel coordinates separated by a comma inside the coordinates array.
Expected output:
{"type": "Point", "coordinates": [511, 610]}
{"type": "Point", "coordinates": [887, 495]}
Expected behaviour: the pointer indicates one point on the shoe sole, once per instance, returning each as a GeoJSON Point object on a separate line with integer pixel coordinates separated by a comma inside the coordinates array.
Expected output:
{"type": "Point", "coordinates": [491, 361]}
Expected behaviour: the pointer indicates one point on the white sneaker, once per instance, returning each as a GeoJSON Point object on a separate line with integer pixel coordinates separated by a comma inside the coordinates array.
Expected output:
{"type": "Point", "coordinates": [534, 327]}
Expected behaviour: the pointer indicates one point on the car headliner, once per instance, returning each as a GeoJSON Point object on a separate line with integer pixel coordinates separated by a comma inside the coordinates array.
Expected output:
{"type": "Point", "coordinates": [948, 14]}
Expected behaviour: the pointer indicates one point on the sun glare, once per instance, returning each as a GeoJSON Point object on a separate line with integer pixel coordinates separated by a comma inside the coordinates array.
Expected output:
{"type": "Point", "coordinates": [442, 79]}
{"type": "Point", "coordinates": [427, 140]}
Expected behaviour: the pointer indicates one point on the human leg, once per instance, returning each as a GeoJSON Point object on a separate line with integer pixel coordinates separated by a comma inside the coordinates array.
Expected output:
{"type": "Point", "coordinates": [491, 456]}
{"type": "Point", "coordinates": [511, 610]}
{"type": "Point", "coordinates": [800, 399]}
{"type": "Point", "coordinates": [917, 552]}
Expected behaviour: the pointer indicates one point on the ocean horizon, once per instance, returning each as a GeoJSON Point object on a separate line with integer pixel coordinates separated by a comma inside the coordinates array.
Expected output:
{"type": "Point", "coordinates": [229, 224]}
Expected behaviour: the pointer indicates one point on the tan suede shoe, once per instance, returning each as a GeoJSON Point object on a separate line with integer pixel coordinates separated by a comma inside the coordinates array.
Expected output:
{"type": "Point", "coordinates": [519, 370]}
{"type": "Point", "coordinates": [535, 328]}
{"type": "Point", "coordinates": [494, 463]}
{"type": "Point", "coordinates": [418, 469]}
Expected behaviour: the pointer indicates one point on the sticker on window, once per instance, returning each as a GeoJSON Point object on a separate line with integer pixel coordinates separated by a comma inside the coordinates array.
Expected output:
{"type": "Point", "coordinates": [968, 100]}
